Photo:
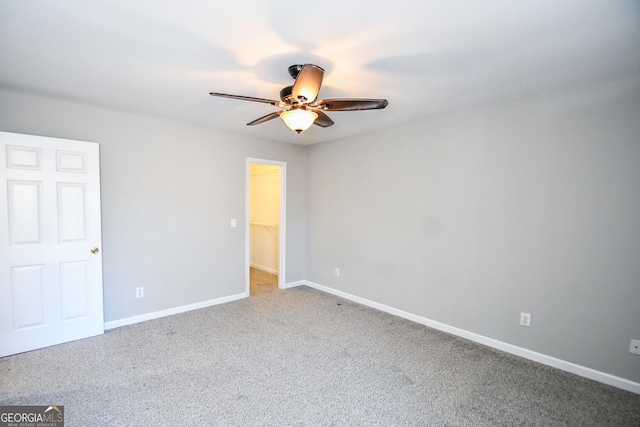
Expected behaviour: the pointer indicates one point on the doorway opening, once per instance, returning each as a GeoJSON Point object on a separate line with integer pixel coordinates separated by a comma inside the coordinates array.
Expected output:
{"type": "Point", "coordinates": [265, 225]}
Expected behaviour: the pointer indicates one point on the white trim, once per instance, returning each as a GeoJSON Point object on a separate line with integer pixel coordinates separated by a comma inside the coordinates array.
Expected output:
{"type": "Point", "coordinates": [265, 269]}
{"type": "Point", "coordinates": [282, 229]}
{"type": "Point", "coordinates": [563, 365]}
{"type": "Point", "coordinates": [294, 284]}
{"type": "Point", "coordinates": [171, 311]}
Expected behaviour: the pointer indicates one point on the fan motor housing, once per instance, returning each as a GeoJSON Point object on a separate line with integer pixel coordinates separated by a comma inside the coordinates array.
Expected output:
{"type": "Point", "coordinates": [285, 95]}
{"type": "Point", "coordinates": [294, 70]}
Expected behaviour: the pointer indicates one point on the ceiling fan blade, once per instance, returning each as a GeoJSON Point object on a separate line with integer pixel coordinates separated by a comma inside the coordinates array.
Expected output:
{"type": "Point", "coordinates": [266, 118]}
{"type": "Point", "coordinates": [307, 85]}
{"type": "Point", "coordinates": [352, 104]}
{"type": "Point", "coordinates": [323, 120]}
{"type": "Point", "coordinates": [245, 98]}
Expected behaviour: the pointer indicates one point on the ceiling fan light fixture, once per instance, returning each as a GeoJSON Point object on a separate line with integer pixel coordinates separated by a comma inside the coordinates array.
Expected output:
{"type": "Point", "coordinates": [298, 101]}
{"type": "Point", "coordinates": [298, 119]}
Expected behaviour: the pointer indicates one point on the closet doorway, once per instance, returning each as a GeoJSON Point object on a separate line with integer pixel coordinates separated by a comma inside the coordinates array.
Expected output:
{"type": "Point", "coordinates": [265, 224]}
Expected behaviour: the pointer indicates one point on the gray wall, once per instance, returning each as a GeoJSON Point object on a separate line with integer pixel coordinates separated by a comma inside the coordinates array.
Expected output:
{"type": "Point", "coordinates": [470, 218]}
{"type": "Point", "coordinates": [168, 193]}
{"type": "Point", "coordinates": [467, 219]}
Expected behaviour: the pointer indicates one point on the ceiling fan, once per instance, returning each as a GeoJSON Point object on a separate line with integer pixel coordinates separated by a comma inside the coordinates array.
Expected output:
{"type": "Point", "coordinates": [300, 107]}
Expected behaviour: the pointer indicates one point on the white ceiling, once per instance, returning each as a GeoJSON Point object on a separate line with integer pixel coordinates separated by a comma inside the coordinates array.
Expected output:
{"type": "Point", "coordinates": [427, 57]}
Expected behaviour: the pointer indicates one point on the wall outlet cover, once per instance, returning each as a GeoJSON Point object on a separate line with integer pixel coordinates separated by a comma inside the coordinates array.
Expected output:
{"type": "Point", "coordinates": [525, 319]}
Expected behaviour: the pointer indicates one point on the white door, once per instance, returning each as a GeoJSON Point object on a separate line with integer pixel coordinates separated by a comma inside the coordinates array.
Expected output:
{"type": "Point", "coordinates": [50, 242]}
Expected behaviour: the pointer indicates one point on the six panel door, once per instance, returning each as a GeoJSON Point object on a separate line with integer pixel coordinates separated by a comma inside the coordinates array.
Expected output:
{"type": "Point", "coordinates": [50, 242]}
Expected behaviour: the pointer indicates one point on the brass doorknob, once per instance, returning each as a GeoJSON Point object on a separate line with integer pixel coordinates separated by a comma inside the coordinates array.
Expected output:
{"type": "Point", "coordinates": [94, 250]}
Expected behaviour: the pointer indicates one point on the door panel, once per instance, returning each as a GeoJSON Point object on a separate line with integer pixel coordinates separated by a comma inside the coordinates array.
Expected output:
{"type": "Point", "coordinates": [50, 282]}
{"type": "Point", "coordinates": [71, 205]}
{"type": "Point", "coordinates": [28, 298]}
{"type": "Point", "coordinates": [24, 158]}
{"type": "Point", "coordinates": [73, 285]}
{"type": "Point", "coordinates": [25, 203]}
{"type": "Point", "coordinates": [71, 161]}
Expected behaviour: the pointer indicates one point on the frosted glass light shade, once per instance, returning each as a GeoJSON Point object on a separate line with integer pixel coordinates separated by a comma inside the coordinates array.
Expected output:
{"type": "Point", "coordinates": [298, 119]}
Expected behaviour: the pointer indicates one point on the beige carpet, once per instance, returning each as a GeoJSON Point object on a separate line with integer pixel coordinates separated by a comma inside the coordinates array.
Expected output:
{"type": "Point", "coordinates": [262, 282]}
{"type": "Point", "coordinates": [300, 357]}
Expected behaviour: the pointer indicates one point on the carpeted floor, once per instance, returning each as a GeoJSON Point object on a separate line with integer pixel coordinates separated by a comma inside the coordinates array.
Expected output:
{"type": "Point", "coordinates": [300, 357]}
{"type": "Point", "coordinates": [262, 282]}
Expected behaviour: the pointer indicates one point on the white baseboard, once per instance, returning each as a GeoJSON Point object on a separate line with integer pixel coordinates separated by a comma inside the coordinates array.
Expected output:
{"type": "Point", "coordinates": [176, 310]}
{"type": "Point", "coordinates": [563, 365]}
{"type": "Point", "coordinates": [293, 284]}
{"type": "Point", "coordinates": [265, 269]}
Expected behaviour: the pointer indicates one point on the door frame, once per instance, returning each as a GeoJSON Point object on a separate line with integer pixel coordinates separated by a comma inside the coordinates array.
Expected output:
{"type": "Point", "coordinates": [282, 226]}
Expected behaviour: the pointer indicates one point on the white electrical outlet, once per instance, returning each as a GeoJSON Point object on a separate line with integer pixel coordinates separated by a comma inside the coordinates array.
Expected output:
{"type": "Point", "coordinates": [233, 223]}
{"type": "Point", "coordinates": [337, 272]}
{"type": "Point", "coordinates": [525, 319]}
{"type": "Point", "coordinates": [635, 347]}
{"type": "Point", "coordinates": [139, 292]}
